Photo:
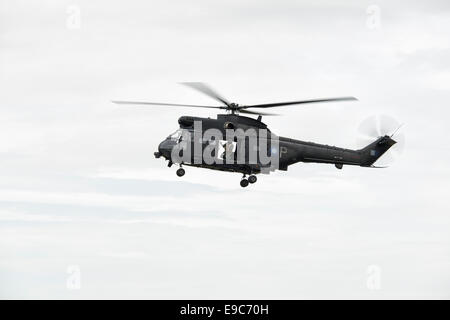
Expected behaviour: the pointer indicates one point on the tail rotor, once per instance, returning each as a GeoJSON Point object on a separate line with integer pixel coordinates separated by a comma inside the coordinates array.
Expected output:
{"type": "Point", "coordinates": [377, 126]}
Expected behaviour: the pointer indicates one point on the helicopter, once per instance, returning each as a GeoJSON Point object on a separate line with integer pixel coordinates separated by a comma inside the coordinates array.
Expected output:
{"type": "Point", "coordinates": [242, 144]}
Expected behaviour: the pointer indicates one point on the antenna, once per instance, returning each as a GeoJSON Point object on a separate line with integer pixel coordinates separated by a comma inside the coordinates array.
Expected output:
{"type": "Point", "coordinates": [395, 131]}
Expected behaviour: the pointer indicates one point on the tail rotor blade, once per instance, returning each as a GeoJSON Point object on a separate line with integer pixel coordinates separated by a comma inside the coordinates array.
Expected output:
{"type": "Point", "coordinates": [369, 128]}
{"type": "Point", "coordinates": [377, 126]}
{"type": "Point", "coordinates": [388, 125]}
{"type": "Point", "coordinates": [399, 147]}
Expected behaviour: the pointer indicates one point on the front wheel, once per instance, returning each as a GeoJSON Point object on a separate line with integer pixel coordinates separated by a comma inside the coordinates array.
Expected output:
{"type": "Point", "coordinates": [180, 172]}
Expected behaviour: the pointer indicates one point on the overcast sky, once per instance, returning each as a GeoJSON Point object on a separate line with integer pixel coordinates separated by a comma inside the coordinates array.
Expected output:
{"type": "Point", "coordinates": [82, 197]}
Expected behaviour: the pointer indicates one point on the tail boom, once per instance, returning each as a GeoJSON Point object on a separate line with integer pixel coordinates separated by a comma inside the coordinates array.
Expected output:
{"type": "Point", "coordinates": [301, 151]}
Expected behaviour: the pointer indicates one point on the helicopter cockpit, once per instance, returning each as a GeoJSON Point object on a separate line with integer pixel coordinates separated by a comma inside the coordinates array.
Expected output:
{"type": "Point", "coordinates": [175, 136]}
{"type": "Point", "coordinates": [179, 135]}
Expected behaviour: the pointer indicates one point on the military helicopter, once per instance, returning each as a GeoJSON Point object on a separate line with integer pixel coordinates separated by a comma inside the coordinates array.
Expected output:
{"type": "Point", "coordinates": [225, 150]}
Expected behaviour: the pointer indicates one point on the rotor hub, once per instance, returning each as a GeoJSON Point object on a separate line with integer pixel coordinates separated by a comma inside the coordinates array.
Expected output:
{"type": "Point", "coordinates": [233, 107]}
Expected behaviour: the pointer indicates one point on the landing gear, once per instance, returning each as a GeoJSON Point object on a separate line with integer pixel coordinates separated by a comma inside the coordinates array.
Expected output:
{"type": "Point", "coordinates": [252, 179]}
{"type": "Point", "coordinates": [244, 183]}
{"type": "Point", "coordinates": [180, 172]}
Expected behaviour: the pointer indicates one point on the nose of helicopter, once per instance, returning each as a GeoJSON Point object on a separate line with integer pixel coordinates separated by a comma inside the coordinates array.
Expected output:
{"type": "Point", "coordinates": [165, 148]}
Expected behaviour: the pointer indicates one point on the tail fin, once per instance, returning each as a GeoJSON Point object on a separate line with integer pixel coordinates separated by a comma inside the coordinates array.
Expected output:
{"type": "Point", "coordinates": [375, 150]}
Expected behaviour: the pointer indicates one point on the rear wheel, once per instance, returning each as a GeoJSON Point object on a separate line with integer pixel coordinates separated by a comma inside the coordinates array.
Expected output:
{"type": "Point", "coordinates": [244, 183]}
{"type": "Point", "coordinates": [252, 179]}
{"type": "Point", "coordinates": [180, 172]}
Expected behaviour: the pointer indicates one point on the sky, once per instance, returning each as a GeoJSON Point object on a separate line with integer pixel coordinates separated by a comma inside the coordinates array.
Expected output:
{"type": "Point", "coordinates": [86, 211]}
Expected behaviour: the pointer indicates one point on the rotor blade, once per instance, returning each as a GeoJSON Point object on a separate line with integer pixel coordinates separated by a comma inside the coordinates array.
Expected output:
{"type": "Point", "coordinates": [388, 125]}
{"type": "Point", "coordinates": [279, 104]}
{"type": "Point", "coordinates": [205, 89]}
{"type": "Point", "coordinates": [164, 104]}
{"type": "Point", "coordinates": [369, 128]}
{"type": "Point", "coordinates": [377, 126]}
{"type": "Point", "coordinates": [258, 113]}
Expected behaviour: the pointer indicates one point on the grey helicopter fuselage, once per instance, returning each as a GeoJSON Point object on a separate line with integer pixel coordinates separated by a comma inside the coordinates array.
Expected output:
{"type": "Point", "coordinates": [208, 143]}
{"type": "Point", "coordinates": [288, 151]}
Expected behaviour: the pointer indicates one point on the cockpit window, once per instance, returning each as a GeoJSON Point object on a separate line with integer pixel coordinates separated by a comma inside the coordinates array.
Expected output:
{"type": "Point", "coordinates": [176, 135]}
{"type": "Point", "coordinates": [180, 134]}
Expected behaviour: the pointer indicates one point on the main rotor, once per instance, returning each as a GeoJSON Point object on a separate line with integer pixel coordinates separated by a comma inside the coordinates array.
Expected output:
{"type": "Point", "coordinates": [232, 107]}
